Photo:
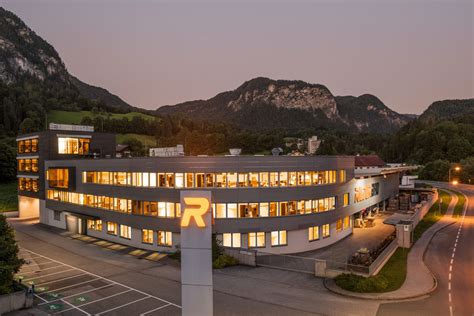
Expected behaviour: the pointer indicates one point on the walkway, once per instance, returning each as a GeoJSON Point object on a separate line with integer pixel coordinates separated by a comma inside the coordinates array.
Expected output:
{"type": "Point", "coordinates": [419, 280]}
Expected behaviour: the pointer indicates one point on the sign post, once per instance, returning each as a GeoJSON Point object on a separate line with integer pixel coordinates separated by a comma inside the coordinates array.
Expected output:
{"type": "Point", "coordinates": [196, 253]}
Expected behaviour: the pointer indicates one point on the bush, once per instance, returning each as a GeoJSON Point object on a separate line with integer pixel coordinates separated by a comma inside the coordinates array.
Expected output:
{"type": "Point", "coordinates": [224, 261]}
{"type": "Point", "coordinates": [9, 261]}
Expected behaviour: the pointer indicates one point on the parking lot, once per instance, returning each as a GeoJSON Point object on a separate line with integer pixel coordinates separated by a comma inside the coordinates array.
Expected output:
{"type": "Point", "coordinates": [62, 289]}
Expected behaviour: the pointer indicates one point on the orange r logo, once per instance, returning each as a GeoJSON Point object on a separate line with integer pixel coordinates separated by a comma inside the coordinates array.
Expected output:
{"type": "Point", "coordinates": [195, 207]}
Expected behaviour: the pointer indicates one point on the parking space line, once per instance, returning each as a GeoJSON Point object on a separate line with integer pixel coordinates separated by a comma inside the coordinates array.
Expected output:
{"type": "Point", "coordinates": [101, 299]}
{"type": "Point", "coordinates": [41, 270]}
{"type": "Point", "coordinates": [117, 307]}
{"type": "Point", "coordinates": [65, 287]}
{"type": "Point", "coordinates": [80, 293]}
{"type": "Point", "coordinates": [73, 307]}
{"type": "Point", "coordinates": [153, 310]}
{"type": "Point", "coordinates": [62, 279]}
{"type": "Point", "coordinates": [42, 276]}
{"type": "Point", "coordinates": [36, 295]}
{"type": "Point", "coordinates": [114, 282]}
{"type": "Point", "coordinates": [43, 263]}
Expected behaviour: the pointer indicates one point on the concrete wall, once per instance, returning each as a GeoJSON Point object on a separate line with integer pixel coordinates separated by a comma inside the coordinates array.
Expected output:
{"type": "Point", "coordinates": [47, 216]}
{"type": "Point", "coordinates": [15, 301]}
{"type": "Point", "coordinates": [28, 207]}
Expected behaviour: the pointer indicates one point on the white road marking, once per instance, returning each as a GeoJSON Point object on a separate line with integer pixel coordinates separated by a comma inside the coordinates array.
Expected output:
{"type": "Point", "coordinates": [73, 307]}
{"type": "Point", "coordinates": [450, 268]}
{"type": "Point", "coordinates": [153, 310]}
{"type": "Point", "coordinates": [66, 287]}
{"type": "Point", "coordinates": [77, 294]}
{"type": "Point", "coordinates": [42, 276]}
{"type": "Point", "coordinates": [452, 261]}
{"type": "Point", "coordinates": [117, 307]}
{"type": "Point", "coordinates": [100, 299]}
{"type": "Point", "coordinates": [39, 270]}
{"type": "Point", "coordinates": [449, 276]}
{"type": "Point", "coordinates": [449, 286]}
{"type": "Point", "coordinates": [114, 282]}
{"type": "Point", "coordinates": [62, 279]}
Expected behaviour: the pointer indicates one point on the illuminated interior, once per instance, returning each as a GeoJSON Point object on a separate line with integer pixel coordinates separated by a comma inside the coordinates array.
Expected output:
{"type": "Point", "coordinates": [27, 146]}
{"type": "Point", "coordinates": [73, 145]}
{"type": "Point", "coordinates": [29, 165]}
{"type": "Point", "coordinates": [58, 178]}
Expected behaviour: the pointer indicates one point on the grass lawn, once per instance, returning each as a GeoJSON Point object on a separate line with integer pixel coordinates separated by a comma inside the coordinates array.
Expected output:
{"type": "Point", "coordinates": [460, 204]}
{"type": "Point", "coordinates": [147, 140]}
{"type": "Point", "coordinates": [68, 117]}
{"type": "Point", "coordinates": [394, 272]}
{"type": "Point", "coordinates": [8, 197]}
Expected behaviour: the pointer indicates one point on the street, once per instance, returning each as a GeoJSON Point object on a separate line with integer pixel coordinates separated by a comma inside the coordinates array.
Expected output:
{"type": "Point", "coordinates": [450, 256]}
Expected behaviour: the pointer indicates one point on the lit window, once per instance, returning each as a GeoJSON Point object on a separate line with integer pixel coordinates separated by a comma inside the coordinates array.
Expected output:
{"type": "Point", "coordinates": [326, 232]}
{"type": "Point", "coordinates": [58, 178]}
{"type": "Point", "coordinates": [256, 239]}
{"type": "Point", "coordinates": [179, 177]}
{"type": "Point", "coordinates": [125, 231]}
{"type": "Point", "coordinates": [339, 225]}
{"type": "Point", "coordinates": [112, 228]}
{"type": "Point", "coordinates": [232, 210]}
{"type": "Point", "coordinates": [263, 210]}
{"type": "Point", "coordinates": [94, 224]}
{"type": "Point", "coordinates": [231, 240]}
{"type": "Point", "coordinates": [232, 180]}
{"type": "Point", "coordinates": [147, 236]}
{"type": "Point", "coordinates": [347, 222]}
{"type": "Point", "coordinates": [342, 176]}
{"type": "Point", "coordinates": [165, 238]}
{"type": "Point", "coordinates": [313, 233]}
{"type": "Point", "coordinates": [73, 146]}
{"type": "Point", "coordinates": [220, 210]}
{"type": "Point", "coordinates": [346, 199]}
{"type": "Point", "coordinates": [279, 238]}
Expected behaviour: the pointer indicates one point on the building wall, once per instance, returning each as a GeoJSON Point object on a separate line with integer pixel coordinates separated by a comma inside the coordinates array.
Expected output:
{"type": "Point", "coordinates": [28, 207]}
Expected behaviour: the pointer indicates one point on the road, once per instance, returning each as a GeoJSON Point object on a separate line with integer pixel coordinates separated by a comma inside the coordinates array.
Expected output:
{"type": "Point", "coordinates": [450, 256]}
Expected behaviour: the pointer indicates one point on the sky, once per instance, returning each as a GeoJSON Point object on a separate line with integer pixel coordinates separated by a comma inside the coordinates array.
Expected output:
{"type": "Point", "coordinates": [154, 53]}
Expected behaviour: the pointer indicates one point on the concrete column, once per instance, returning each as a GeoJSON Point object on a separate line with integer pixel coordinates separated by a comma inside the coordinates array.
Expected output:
{"type": "Point", "coordinates": [196, 256]}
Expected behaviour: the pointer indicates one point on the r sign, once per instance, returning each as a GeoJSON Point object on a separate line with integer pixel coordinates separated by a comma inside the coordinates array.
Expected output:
{"type": "Point", "coordinates": [195, 207]}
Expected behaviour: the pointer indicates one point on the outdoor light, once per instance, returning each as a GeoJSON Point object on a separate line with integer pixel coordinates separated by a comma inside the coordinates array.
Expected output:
{"type": "Point", "coordinates": [457, 168]}
{"type": "Point", "coordinates": [455, 182]}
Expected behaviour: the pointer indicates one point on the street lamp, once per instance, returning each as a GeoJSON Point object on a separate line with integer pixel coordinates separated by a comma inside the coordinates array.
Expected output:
{"type": "Point", "coordinates": [457, 168]}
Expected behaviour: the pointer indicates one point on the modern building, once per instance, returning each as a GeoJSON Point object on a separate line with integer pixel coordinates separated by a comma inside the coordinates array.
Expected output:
{"type": "Point", "coordinates": [274, 204]}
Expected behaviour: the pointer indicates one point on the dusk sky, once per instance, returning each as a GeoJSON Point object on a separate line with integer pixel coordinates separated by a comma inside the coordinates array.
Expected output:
{"type": "Point", "coordinates": [150, 53]}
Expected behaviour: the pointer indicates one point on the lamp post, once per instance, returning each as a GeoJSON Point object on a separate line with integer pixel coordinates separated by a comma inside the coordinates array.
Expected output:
{"type": "Point", "coordinates": [456, 168]}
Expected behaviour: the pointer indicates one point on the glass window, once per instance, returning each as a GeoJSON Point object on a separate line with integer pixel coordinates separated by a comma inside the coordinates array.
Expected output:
{"type": "Point", "coordinates": [253, 179]}
{"type": "Point", "coordinates": [342, 176]}
{"type": "Point", "coordinates": [307, 177]}
{"type": "Point", "coordinates": [279, 238]}
{"type": "Point", "coordinates": [264, 180]}
{"type": "Point", "coordinates": [232, 180]}
{"type": "Point", "coordinates": [161, 180]}
{"type": "Point", "coordinates": [145, 179]}
{"type": "Point", "coordinates": [58, 178]}
{"type": "Point", "coordinates": [243, 210]}
{"type": "Point", "coordinates": [273, 179]}
{"type": "Point", "coordinates": [339, 225]}
{"type": "Point", "coordinates": [313, 233]}
{"type": "Point", "coordinates": [162, 209]}
{"type": "Point", "coordinates": [300, 178]}
{"type": "Point", "coordinates": [111, 228]}
{"type": "Point", "coordinates": [165, 238]}
{"type": "Point", "coordinates": [27, 146]}
{"type": "Point", "coordinates": [21, 146]}
{"type": "Point", "coordinates": [232, 210]}
{"type": "Point", "coordinates": [210, 180]}
{"type": "Point", "coordinates": [73, 146]}
{"type": "Point", "coordinates": [34, 145]}
{"type": "Point", "coordinates": [256, 239]}
{"type": "Point", "coordinates": [345, 199]}
{"type": "Point", "coordinates": [243, 180]}
{"type": "Point", "coordinates": [283, 179]}
{"type": "Point", "coordinates": [189, 180]}
{"type": "Point", "coordinates": [200, 180]}
{"type": "Point", "coordinates": [292, 179]}
{"type": "Point", "coordinates": [326, 232]}
{"type": "Point", "coordinates": [347, 222]}
{"type": "Point", "coordinates": [273, 208]}
{"type": "Point", "coordinates": [169, 210]}
{"type": "Point", "coordinates": [263, 210]}
{"type": "Point", "coordinates": [231, 240]}
{"type": "Point", "coordinates": [220, 210]}
{"type": "Point", "coordinates": [221, 180]}
{"type": "Point", "coordinates": [300, 207]}
{"type": "Point", "coordinates": [179, 177]}
{"type": "Point", "coordinates": [170, 180]}
{"type": "Point", "coordinates": [120, 178]}
{"type": "Point", "coordinates": [283, 209]}
{"type": "Point", "coordinates": [147, 236]}
{"type": "Point", "coordinates": [125, 231]}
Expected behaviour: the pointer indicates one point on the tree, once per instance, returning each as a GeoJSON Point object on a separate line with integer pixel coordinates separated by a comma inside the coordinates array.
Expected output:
{"type": "Point", "coordinates": [7, 160]}
{"type": "Point", "coordinates": [9, 261]}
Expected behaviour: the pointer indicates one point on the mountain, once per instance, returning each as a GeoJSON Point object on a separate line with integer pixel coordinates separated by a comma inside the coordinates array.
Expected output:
{"type": "Point", "coordinates": [447, 110]}
{"type": "Point", "coordinates": [25, 56]}
{"type": "Point", "coordinates": [265, 104]}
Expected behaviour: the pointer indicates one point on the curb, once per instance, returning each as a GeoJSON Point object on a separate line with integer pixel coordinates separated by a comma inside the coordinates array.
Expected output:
{"type": "Point", "coordinates": [331, 286]}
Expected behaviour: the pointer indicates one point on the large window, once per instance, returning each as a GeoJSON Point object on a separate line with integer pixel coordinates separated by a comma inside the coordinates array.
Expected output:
{"type": "Point", "coordinates": [28, 184]}
{"type": "Point", "coordinates": [339, 225]}
{"type": "Point", "coordinates": [165, 238]}
{"type": "Point", "coordinates": [231, 240]}
{"type": "Point", "coordinates": [147, 236]}
{"type": "Point", "coordinates": [313, 233]}
{"type": "Point", "coordinates": [112, 228]}
{"type": "Point", "coordinates": [346, 223]}
{"type": "Point", "coordinates": [94, 224]}
{"type": "Point", "coordinates": [345, 199]}
{"type": "Point", "coordinates": [73, 145]}
{"type": "Point", "coordinates": [29, 165]}
{"type": "Point", "coordinates": [125, 232]}
{"type": "Point", "coordinates": [326, 230]}
{"type": "Point", "coordinates": [364, 192]}
{"type": "Point", "coordinates": [256, 240]}
{"type": "Point", "coordinates": [279, 238]}
{"type": "Point", "coordinates": [58, 178]}
{"type": "Point", "coordinates": [27, 146]}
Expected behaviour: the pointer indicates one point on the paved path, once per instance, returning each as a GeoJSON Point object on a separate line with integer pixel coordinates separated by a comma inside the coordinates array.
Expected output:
{"type": "Point", "coordinates": [420, 281]}
{"type": "Point", "coordinates": [450, 256]}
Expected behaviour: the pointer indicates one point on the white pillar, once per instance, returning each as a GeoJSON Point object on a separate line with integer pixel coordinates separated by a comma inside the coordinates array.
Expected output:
{"type": "Point", "coordinates": [196, 258]}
